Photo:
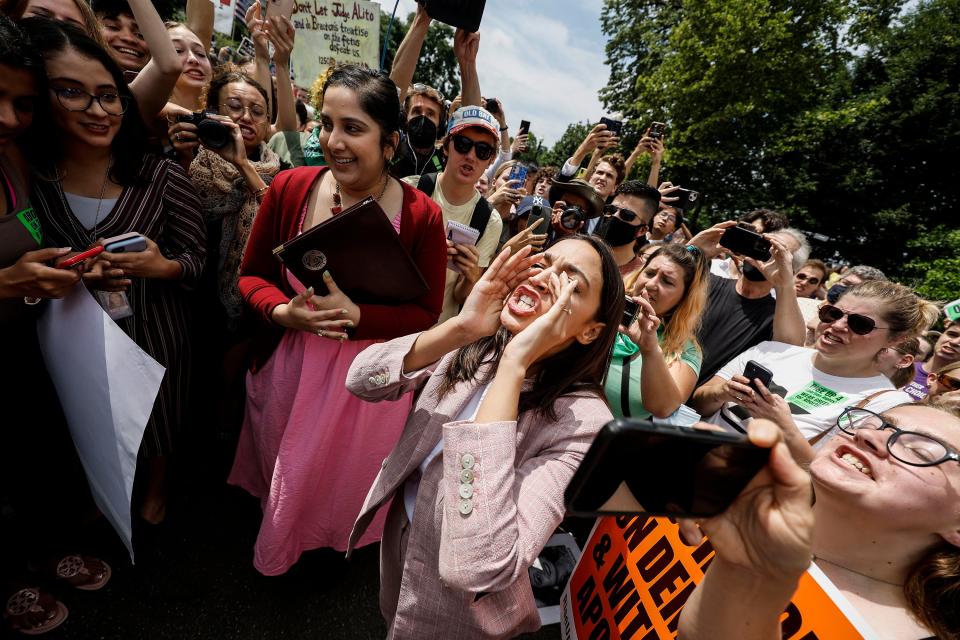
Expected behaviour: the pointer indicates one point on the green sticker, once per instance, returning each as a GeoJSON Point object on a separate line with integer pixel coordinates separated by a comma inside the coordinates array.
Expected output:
{"type": "Point", "coordinates": [29, 219]}
{"type": "Point", "coordinates": [815, 395]}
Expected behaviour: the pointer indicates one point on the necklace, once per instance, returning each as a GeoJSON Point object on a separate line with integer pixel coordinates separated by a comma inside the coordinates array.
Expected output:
{"type": "Point", "coordinates": [338, 201]}
{"type": "Point", "coordinates": [90, 236]}
{"type": "Point", "coordinates": [892, 584]}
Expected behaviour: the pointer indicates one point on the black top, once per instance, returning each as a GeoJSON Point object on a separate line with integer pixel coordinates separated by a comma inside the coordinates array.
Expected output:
{"type": "Point", "coordinates": [410, 163]}
{"type": "Point", "coordinates": [731, 325]}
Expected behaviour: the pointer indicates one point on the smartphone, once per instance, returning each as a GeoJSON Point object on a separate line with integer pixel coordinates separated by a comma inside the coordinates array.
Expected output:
{"type": "Point", "coordinates": [743, 240]}
{"type": "Point", "coordinates": [953, 310]}
{"type": "Point", "coordinates": [630, 311]}
{"type": "Point", "coordinates": [540, 212]}
{"type": "Point", "coordinates": [689, 199]}
{"type": "Point", "coordinates": [756, 371]}
{"type": "Point", "coordinates": [524, 127]}
{"type": "Point", "coordinates": [656, 130]}
{"type": "Point", "coordinates": [518, 172]}
{"type": "Point", "coordinates": [638, 466]}
{"type": "Point", "coordinates": [75, 261]}
{"type": "Point", "coordinates": [126, 243]}
{"type": "Point", "coordinates": [616, 126]}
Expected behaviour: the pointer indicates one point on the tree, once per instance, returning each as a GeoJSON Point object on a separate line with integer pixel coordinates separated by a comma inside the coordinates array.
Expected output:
{"type": "Point", "coordinates": [437, 66]}
{"type": "Point", "coordinates": [564, 147]}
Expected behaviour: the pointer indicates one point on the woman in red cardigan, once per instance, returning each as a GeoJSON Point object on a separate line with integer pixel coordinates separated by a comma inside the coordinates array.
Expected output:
{"type": "Point", "coordinates": [309, 449]}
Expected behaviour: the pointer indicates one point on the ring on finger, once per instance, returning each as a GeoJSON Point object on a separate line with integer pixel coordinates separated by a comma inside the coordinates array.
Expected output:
{"type": "Point", "coordinates": [321, 333]}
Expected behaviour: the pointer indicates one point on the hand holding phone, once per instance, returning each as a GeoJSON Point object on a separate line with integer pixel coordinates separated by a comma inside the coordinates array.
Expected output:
{"type": "Point", "coordinates": [125, 243]}
{"type": "Point", "coordinates": [77, 260]}
{"type": "Point", "coordinates": [639, 466]}
{"type": "Point", "coordinates": [613, 126]}
{"type": "Point", "coordinates": [630, 311]}
{"type": "Point", "coordinates": [524, 127]}
{"type": "Point", "coordinates": [755, 371]}
{"type": "Point", "coordinates": [745, 241]}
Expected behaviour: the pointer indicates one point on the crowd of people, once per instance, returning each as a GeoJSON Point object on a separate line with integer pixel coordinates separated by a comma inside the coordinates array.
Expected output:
{"type": "Point", "coordinates": [445, 427]}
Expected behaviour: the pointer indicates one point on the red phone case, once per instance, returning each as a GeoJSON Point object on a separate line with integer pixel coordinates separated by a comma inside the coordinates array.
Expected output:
{"type": "Point", "coordinates": [73, 261]}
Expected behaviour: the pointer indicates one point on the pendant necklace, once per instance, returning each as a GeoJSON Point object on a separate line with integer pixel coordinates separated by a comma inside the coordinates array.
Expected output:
{"type": "Point", "coordinates": [337, 207]}
{"type": "Point", "coordinates": [91, 237]}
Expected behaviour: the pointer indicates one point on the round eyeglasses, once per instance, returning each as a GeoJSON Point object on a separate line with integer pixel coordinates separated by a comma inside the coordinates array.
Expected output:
{"type": "Point", "coordinates": [73, 99]}
{"type": "Point", "coordinates": [909, 447]}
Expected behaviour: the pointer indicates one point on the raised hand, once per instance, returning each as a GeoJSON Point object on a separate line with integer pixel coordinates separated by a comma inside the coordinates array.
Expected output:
{"type": "Point", "coordinates": [779, 269]}
{"type": "Point", "coordinates": [528, 237]}
{"type": "Point", "coordinates": [551, 329]}
{"type": "Point", "coordinates": [708, 240]}
{"type": "Point", "coordinates": [282, 35]}
{"type": "Point", "coordinates": [480, 314]}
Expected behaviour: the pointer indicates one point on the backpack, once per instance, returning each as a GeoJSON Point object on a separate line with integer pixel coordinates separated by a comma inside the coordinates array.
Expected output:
{"type": "Point", "coordinates": [481, 212]}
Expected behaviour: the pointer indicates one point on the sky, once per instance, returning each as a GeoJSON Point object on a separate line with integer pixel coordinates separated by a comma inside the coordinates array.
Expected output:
{"type": "Point", "coordinates": [544, 60]}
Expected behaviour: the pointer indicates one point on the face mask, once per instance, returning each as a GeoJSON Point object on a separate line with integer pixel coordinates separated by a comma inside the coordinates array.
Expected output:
{"type": "Point", "coordinates": [835, 292]}
{"type": "Point", "coordinates": [616, 232]}
{"type": "Point", "coordinates": [422, 132]}
{"type": "Point", "coordinates": [752, 274]}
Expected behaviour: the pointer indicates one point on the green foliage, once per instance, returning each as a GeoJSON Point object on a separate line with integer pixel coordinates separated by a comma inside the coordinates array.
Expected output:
{"type": "Point", "coordinates": [564, 147]}
{"type": "Point", "coordinates": [841, 113]}
{"type": "Point", "coordinates": [437, 65]}
{"type": "Point", "coordinates": [935, 263]}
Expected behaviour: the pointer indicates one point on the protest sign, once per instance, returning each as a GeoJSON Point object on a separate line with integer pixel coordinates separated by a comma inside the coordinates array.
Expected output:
{"type": "Point", "coordinates": [107, 386]}
{"type": "Point", "coordinates": [328, 31]}
{"type": "Point", "coordinates": [636, 573]}
{"type": "Point", "coordinates": [223, 11]}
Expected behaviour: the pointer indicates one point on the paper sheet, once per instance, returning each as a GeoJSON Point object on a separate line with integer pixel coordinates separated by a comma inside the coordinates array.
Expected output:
{"type": "Point", "coordinates": [107, 386]}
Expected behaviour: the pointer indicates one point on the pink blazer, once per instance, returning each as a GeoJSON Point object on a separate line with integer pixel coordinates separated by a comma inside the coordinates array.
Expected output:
{"type": "Point", "coordinates": [464, 572]}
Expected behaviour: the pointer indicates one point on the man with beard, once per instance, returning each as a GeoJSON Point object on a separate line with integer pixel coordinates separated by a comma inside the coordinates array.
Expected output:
{"type": "Point", "coordinates": [626, 219]}
{"type": "Point", "coordinates": [742, 313]}
{"type": "Point", "coordinates": [425, 107]}
{"type": "Point", "coordinates": [470, 145]}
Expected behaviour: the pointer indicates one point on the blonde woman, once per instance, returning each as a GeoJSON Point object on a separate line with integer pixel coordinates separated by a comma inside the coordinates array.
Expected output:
{"type": "Point", "coordinates": [656, 360]}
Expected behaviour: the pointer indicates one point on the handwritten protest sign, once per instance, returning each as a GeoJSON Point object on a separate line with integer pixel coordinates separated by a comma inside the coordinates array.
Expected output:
{"type": "Point", "coordinates": [327, 31]}
{"type": "Point", "coordinates": [635, 575]}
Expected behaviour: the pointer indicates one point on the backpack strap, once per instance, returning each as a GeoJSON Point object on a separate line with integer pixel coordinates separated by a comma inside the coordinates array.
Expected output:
{"type": "Point", "coordinates": [427, 183]}
{"type": "Point", "coordinates": [481, 216]}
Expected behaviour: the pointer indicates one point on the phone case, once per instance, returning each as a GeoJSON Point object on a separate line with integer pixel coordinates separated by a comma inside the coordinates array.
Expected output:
{"type": "Point", "coordinates": [753, 371]}
{"type": "Point", "coordinates": [747, 243]}
{"type": "Point", "coordinates": [519, 173]}
{"type": "Point", "coordinates": [279, 8]}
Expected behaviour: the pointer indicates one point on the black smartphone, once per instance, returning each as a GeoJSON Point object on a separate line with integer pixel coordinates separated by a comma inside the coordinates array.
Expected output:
{"type": "Point", "coordinates": [492, 106]}
{"type": "Point", "coordinates": [756, 371]}
{"type": "Point", "coordinates": [615, 126]}
{"type": "Point", "coordinates": [540, 212]}
{"type": "Point", "coordinates": [524, 127]}
{"type": "Point", "coordinates": [688, 201]}
{"type": "Point", "coordinates": [638, 466]}
{"type": "Point", "coordinates": [630, 311]}
{"type": "Point", "coordinates": [743, 240]}
{"type": "Point", "coordinates": [656, 130]}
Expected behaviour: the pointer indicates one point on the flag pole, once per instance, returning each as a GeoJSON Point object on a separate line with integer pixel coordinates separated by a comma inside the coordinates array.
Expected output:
{"type": "Point", "coordinates": [386, 40]}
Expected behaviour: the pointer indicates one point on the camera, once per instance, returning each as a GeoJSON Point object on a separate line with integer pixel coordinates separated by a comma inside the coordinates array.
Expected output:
{"type": "Point", "coordinates": [212, 133]}
{"type": "Point", "coordinates": [492, 106]}
{"type": "Point", "coordinates": [572, 217]}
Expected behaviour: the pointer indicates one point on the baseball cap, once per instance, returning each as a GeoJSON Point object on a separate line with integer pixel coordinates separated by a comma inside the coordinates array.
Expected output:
{"type": "Point", "coordinates": [529, 202]}
{"type": "Point", "coordinates": [475, 117]}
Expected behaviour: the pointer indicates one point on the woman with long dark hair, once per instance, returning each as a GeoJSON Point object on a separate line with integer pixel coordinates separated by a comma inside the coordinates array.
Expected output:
{"type": "Point", "coordinates": [308, 449]}
{"type": "Point", "coordinates": [96, 179]}
{"type": "Point", "coordinates": [510, 398]}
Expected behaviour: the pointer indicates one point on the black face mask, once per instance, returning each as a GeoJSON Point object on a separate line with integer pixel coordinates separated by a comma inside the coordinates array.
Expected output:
{"type": "Point", "coordinates": [422, 132]}
{"type": "Point", "coordinates": [616, 232]}
{"type": "Point", "coordinates": [835, 292]}
{"type": "Point", "coordinates": [753, 274]}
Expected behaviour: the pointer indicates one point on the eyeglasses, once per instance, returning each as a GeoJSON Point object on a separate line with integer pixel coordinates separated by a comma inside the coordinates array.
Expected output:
{"type": "Point", "coordinates": [463, 144]}
{"type": "Point", "coordinates": [909, 447]}
{"type": "Point", "coordinates": [73, 99]}
{"type": "Point", "coordinates": [626, 215]}
{"type": "Point", "coordinates": [667, 215]}
{"type": "Point", "coordinates": [947, 382]}
{"type": "Point", "coordinates": [235, 109]}
{"type": "Point", "coordinates": [859, 324]}
{"type": "Point", "coordinates": [802, 277]}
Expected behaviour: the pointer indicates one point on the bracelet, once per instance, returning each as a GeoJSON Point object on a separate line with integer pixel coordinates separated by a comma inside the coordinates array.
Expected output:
{"type": "Point", "coordinates": [259, 193]}
{"type": "Point", "coordinates": [504, 128]}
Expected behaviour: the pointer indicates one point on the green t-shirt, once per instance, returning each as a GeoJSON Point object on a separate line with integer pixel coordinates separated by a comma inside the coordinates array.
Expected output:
{"type": "Point", "coordinates": [624, 349]}
{"type": "Point", "coordinates": [298, 149]}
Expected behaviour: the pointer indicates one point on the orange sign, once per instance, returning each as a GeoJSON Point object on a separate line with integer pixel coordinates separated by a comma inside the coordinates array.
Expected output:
{"type": "Point", "coordinates": [636, 573]}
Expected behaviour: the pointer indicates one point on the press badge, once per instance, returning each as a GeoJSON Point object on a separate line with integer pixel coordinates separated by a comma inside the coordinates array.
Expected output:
{"type": "Point", "coordinates": [115, 303]}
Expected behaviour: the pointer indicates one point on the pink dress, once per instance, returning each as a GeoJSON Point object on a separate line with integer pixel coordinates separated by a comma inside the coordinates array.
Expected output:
{"type": "Point", "coordinates": [309, 449]}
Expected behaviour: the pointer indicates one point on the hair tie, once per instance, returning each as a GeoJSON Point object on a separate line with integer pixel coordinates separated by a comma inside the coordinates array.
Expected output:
{"type": "Point", "coordinates": [694, 250]}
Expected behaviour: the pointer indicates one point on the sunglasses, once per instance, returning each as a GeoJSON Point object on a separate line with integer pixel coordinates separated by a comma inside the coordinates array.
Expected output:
{"type": "Point", "coordinates": [860, 325]}
{"type": "Point", "coordinates": [802, 277]}
{"type": "Point", "coordinates": [948, 383]}
{"type": "Point", "coordinates": [626, 215]}
{"type": "Point", "coordinates": [463, 144]}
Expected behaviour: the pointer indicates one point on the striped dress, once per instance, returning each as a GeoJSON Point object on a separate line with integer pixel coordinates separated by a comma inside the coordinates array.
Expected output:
{"type": "Point", "coordinates": [165, 209]}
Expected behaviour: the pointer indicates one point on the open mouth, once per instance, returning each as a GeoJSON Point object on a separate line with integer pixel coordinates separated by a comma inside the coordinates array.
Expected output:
{"type": "Point", "coordinates": [829, 338]}
{"type": "Point", "coordinates": [524, 301]}
{"type": "Point", "coordinates": [195, 75]}
{"type": "Point", "coordinates": [132, 53]}
{"type": "Point", "coordinates": [343, 162]}
{"type": "Point", "coordinates": [248, 133]}
{"type": "Point", "coordinates": [850, 457]}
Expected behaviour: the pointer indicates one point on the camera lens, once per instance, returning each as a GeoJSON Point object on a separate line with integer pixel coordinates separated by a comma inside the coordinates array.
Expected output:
{"type": "Point", "coordinates": [213, 134]}
{"type": "Point", "coordinates": [572, 217]}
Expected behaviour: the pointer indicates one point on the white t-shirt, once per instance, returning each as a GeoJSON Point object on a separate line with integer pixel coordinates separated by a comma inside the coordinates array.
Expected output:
{"type": "Point", "coordinates": [816, 398]}
{"type": "Point", "coordinates": [487, 246]}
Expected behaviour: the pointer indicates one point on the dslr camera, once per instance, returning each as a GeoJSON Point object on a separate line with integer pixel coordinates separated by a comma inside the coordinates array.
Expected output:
{"type": "Point", "coordinates": [572, 217]}
{"type": "Point", "coordinates": [212, 133]}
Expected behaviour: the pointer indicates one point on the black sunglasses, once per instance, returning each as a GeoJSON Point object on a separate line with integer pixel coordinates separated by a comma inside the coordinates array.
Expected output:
{"type": "Point", "coordinates": [860, 325]}
{"type": "Point", "coordinates": [626, 215]}
{"type": "Point", "coordinates": [802, 277]}
{"type": "Point", "coordinates": [948, 383]}
{"type": "Point", "coordinates": [463, 144]}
